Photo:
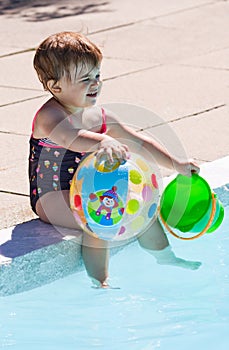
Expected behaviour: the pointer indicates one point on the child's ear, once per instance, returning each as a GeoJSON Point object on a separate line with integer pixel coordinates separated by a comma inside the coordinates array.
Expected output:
{"type": "Point", "coordinates": [53, 86]}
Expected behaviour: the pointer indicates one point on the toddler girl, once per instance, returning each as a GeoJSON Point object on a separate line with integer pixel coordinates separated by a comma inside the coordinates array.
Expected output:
{"type": "Point", "coordinates": [66, 128]}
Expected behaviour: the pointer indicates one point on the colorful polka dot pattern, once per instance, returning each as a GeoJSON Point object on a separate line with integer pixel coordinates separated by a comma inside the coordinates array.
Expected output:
{"type": "Point", "coordinates": [133, 184]}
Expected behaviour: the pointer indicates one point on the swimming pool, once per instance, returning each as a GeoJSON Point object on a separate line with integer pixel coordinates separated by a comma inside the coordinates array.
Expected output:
{"type": "Point", "coordinates": [157, 307]}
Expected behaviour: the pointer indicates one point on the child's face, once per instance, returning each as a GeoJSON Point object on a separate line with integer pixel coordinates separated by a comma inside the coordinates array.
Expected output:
{"type": "Point", "coordinates": [82, 91]}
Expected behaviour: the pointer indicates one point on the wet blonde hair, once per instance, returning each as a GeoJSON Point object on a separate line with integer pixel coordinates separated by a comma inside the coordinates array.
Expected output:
{"type": "Point", "coordinates": [56, 55]}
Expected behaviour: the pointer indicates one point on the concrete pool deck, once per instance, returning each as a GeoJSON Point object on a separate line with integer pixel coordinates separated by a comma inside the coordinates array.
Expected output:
{"type": "Point", "coordinates": [170, 57]}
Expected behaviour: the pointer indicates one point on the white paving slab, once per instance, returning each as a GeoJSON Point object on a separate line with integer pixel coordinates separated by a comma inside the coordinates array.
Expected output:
{"type": "Point", "coordinates": [14, 163]}
{"type": "Point", "coordinates": [29, 25]}
{"type": "Point", "coordinates": [17, 118]}
{"type": "Point", "coordinates": [15, 209]}
{"type": "Point", "coordinates": [17, 71]}
{"type": "Point", "coordinates": [11, 95]}
{"type": "Point", "coordinates": [170, 90]}
{"type": "Point", "coordinates": [201, 136]}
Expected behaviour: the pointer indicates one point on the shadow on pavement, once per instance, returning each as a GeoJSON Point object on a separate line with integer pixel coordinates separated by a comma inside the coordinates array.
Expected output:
{"type": "Point", "coordinates": [32, 235]}
{"type": "Point", "coordinates": [42, 10]}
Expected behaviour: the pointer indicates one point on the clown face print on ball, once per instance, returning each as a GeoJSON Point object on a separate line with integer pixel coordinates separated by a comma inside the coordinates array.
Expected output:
{"type": "Point", "coordinates": [114, 203]}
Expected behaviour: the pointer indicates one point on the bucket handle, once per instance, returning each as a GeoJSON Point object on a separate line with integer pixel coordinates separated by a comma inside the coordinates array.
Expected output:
{"type": "Point", "coordinates": [200, 233]}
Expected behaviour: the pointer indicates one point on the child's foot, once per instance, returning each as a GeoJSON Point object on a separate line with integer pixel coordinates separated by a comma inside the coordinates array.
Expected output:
{"type": "Point", "coordinates": [167, 257]}
{"type": "Point", "coordinates": [104, 285]}
{"type": "Point", "coordinates": [186, 264]}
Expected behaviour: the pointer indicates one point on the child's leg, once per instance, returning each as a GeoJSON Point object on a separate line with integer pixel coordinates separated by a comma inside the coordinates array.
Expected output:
{"type": "Point", "coordinates": [54, 208]}
{"type": "Point", "coordinates": [155, 242]}
{"type": "Point", "coordinates": [96, 259]}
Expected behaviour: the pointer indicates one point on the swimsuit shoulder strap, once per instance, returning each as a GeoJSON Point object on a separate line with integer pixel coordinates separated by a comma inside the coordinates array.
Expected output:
{"type": "Point", "coordinates": [104, 124]}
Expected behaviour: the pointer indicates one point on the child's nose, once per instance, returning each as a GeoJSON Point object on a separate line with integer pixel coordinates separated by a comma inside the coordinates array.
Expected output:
{"type": "Point", "coordinates": [95, 82]}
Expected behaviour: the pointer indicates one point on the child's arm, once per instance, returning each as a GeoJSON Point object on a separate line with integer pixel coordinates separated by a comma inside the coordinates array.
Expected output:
{"type": "Point", "coordinates": [136, 141]}
{"type": "Point", "coordinates": [52, 122]}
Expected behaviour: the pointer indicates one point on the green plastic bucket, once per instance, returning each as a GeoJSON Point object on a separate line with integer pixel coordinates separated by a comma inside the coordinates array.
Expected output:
{"type": "Point", "coordinates": [187, 204]}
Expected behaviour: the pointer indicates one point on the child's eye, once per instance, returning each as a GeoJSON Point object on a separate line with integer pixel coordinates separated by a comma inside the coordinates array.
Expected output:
{"type": "Point", "coordinates": [88, 79]}
{"type": "Point", "coordinates": [85, 80]}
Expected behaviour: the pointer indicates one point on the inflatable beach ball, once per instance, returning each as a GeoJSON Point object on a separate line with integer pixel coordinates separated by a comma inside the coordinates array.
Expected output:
{"type": "Point", "coordinates": [114, 202]}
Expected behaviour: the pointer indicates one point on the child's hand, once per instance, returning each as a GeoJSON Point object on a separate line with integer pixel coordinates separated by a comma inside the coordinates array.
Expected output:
{"type": "Point", "coordinates": [110, 148]}
{"type": "Point", "coordinates": [187, 168]}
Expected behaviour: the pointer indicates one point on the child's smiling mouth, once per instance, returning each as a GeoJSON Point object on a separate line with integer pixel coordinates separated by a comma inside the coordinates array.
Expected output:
{"type": "Point", "coordinates": [92, 94]}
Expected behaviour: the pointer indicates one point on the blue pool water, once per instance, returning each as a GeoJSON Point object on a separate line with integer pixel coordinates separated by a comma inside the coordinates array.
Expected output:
{"type": "Point", "coordinates": [156, 307]}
